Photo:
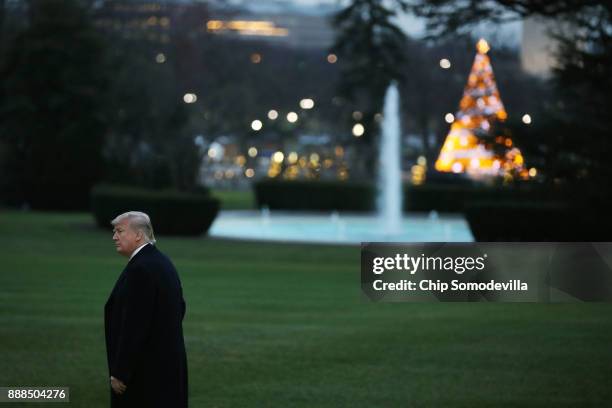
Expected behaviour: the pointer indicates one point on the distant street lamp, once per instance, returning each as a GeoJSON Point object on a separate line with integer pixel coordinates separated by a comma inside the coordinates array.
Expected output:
{"type": "Point", "coordinates": [307, 103]}
{"type": "Point", "coordinates": [527, 119]}
{"type": "Point", "coordinates": [256, 125]}
{"type": "Point", "coordinates": [358, 130]}
{"type": "Point", "coordinates": [190, 98]}
{"type": "Point", "coordinates": [445, 63]}
{"type": "Point", "coordinates": [292, 117]}
{"type": "Point", "coordinates": [272, 114]}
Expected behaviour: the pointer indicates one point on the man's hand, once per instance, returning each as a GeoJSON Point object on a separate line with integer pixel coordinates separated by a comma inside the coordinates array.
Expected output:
{"type": "Point", "coordinates": [117, 385]}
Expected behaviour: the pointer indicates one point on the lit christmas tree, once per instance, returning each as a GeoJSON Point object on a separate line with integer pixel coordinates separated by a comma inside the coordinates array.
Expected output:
{"type": "Point", "coordinates": [474, 145]}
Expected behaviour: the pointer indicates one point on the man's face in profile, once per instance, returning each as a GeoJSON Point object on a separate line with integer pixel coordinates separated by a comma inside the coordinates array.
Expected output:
{"type": "Point", "coordinates": [125, 238]}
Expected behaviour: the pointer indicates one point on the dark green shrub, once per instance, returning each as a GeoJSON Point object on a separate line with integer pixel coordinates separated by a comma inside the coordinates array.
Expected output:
{"type": "Point", "coordinates": [539, 222]}
{"type": "Point", "coordinates": [350, 196]}
{"type": "Point", "coordinates": [171, 212]}
{"type": "Point", "coordinates": [456, 198]}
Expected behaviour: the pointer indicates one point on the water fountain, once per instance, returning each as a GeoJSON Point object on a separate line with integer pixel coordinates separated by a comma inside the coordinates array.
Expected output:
{"type": "Point", "coordinates": [386, 225]}
{"type": "Point", "coordinates": [389, 168]}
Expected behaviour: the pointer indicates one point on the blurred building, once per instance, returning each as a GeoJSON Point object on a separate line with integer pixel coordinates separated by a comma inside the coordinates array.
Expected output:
{"type": "Point", "coordinates": [271, 21]}
{"type": "Point", "coordinates": [150, 20]}
{"type": "Point", "coordinates": [291, 30]}
{"type": "Point", "coordinates": [279, 22]}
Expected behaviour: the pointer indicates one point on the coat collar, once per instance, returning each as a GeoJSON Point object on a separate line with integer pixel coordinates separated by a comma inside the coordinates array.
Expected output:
{"type": "Point", "coordinates": [144, 250]}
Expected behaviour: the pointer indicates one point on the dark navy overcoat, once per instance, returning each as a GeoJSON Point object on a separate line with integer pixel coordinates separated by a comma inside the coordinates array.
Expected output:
{"type": "Point", "coordinates": [144, 335]}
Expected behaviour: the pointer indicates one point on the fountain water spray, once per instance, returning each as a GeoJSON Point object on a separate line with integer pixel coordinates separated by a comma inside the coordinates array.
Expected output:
{"type": "Point", "coordinates": [389, 168]}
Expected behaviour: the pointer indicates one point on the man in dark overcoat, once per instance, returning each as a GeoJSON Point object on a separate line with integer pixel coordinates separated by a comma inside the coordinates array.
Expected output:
{"type": "Point", "coordinates": [143, 322]}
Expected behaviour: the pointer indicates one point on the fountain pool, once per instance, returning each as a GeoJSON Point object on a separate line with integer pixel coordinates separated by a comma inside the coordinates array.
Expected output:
{"type": "Point", "coordinates": [337, 228]}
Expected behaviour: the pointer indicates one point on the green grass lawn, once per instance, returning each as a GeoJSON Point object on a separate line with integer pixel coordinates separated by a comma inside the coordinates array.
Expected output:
{"type": "Point", "coordinates": [235, 199]}
{"type": "Point", "coordinates": [272, 325]}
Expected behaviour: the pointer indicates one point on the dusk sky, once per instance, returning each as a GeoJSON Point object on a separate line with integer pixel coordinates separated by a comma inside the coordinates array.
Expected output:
{"type": "Point", "coordinates": [508, 33]}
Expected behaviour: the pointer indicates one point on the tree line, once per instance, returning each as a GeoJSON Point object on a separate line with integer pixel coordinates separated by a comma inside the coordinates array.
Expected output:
{"type": "Point", "coordinates": [80, 104]}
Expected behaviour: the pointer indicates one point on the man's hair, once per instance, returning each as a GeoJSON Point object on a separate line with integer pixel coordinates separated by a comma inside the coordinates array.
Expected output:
{"type": "Point", "coordinates": [138, 221]}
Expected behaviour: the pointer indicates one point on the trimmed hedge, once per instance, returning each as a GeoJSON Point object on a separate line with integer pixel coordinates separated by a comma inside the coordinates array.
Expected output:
{"type": "Point", "coordinates": [457, 198]}
{"type": "Point", "coordinates": [539, 222]}
{"type": "Point", "coordinates": [171, 212]}
{"type": "Point", "coordinates": [314, 195]}
{"type": "Point", "coordinates": [348, 196]}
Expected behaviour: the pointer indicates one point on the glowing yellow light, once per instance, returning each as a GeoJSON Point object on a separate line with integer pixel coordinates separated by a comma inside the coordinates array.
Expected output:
{"type": "Point", "coordinates": [272, 114]}
{"type": "Point", "coordinates": [212, 153]}
{"type": "Point", "coordinates": [240, 160]}
{"type": "Point", "coordinates": [278, 157]}
{"type": "Point", "coordinates": [533, 172]}
{"type": "Point", "coordinates": [292, 172]}
{"type": "Point", "coordinates": [213, 25]}
{"type": "Point", "coordinates": [249, 25]}
{"type": "Point", "coordinates": [314, 158]}
{"type": "Point", "coordinates": [249, 173]}
{"type": "Point", "coordinates": [292, 158]}
{"type": "Point", "coordinates": [475, 163]}
{"type": "Point", "coordinates": [255, 58]}
{"type": "Point", "coordinates": [449, 118]}
{"type": "Point", "coordinates": [416, 169]}
{"type": "Point", "coordinates": [508, 142]}
{"type": "Point", "coordinates": [252, 151]}
{"type": "Point", "coordinates": [422, 161]}
{"type": "Point", "coordinates": [445, 63]}
{"type": "Point", "coordinates": [160, 58]}
{"type": "Point", "coordinates": [332, 58]}
{"type": "Point", "coordinates": [306, 103]}
{"type": "Point", "coordinates": [526, 119]}
{"type": "Point", "coordinates": [256, 125]}
{"type": "Point", "coordinates": [358, 130]}
{"type": "Point", "coordinates": [502, 115]}
{"type": "Point", "coordinates": [518, 159]}
{"type": "Point", "coordinates": [482, 46]}
{"type": "Point", "coordinates": [246, 27]}
{"type": "Point", "coordinates": [292, 117]}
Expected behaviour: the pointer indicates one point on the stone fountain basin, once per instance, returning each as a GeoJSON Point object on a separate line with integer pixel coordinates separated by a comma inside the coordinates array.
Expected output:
{"type": "Point", "coordinates": [335, 228]}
